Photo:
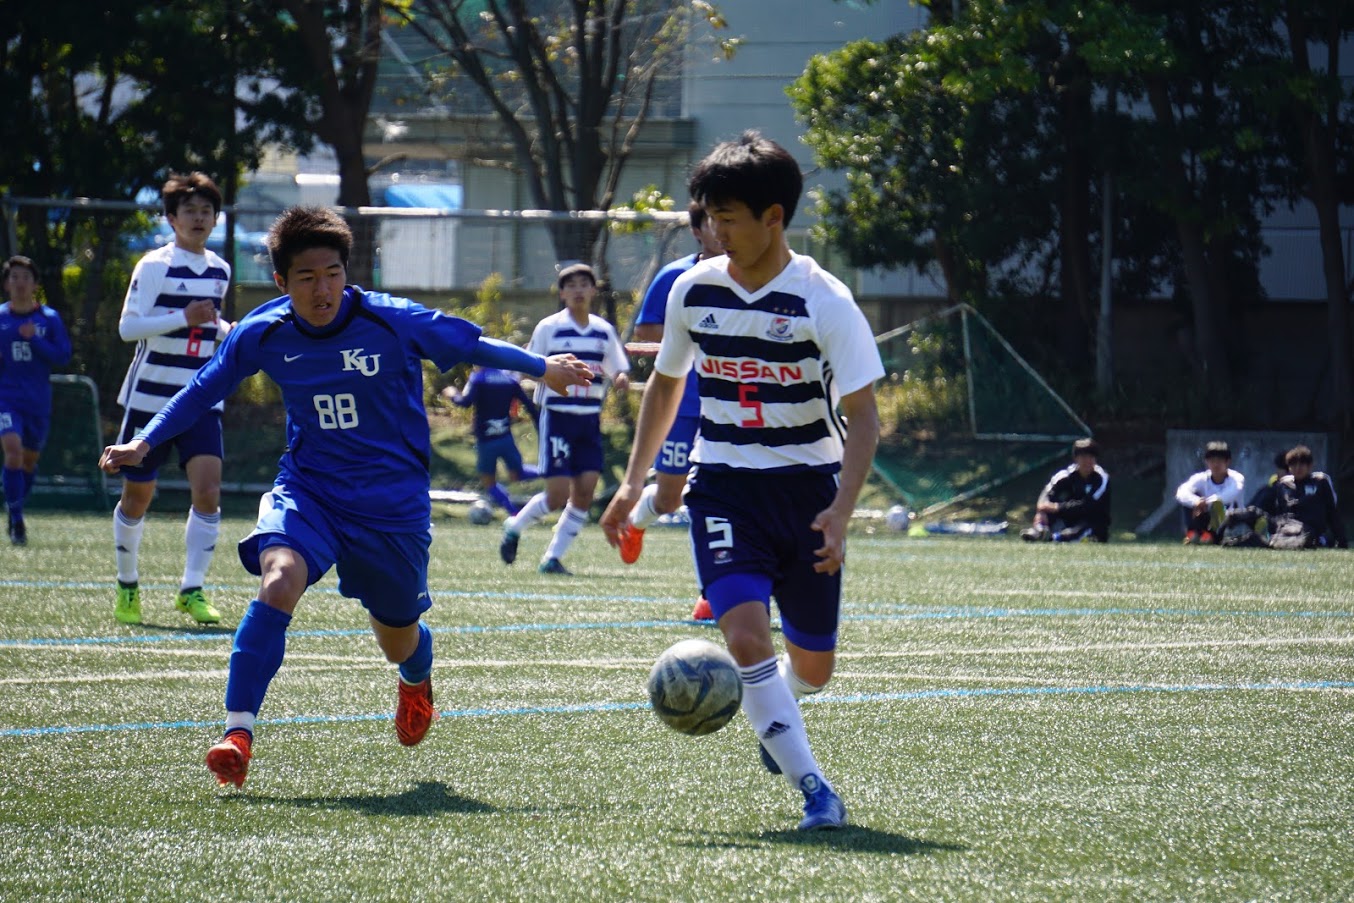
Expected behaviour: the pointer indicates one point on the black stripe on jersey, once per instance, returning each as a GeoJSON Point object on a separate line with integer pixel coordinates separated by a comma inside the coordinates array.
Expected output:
{"type": "Point", "coordinates": [164, 390]}
{"type": "Point", "coordinates": [361, 311]}
{"type": "Point", "coordinates": [768, 392]}
{"type": "Point", "coordinates": [274, 327]}
{"type": "Point", "coordinates": [556, 400]}
{"type": "Point", "coordinates": [596, 356]}
{"type": "Point", "coordinates": [183, 272]}
{"type": "Point", "coordinates": [838, 421]}
{"type": "Point", "coordinates": [179, 302]}
{"type": "Point", "coordinates": [719, 296]}
{"type": "Point", "coordinates": [182, 361]}
{"type": "Point", "coordinates": [715, 345]}
{"type": "Point", "coordinates": [187, 333]}
{"type": "Point", "coordinates": [771, 436]}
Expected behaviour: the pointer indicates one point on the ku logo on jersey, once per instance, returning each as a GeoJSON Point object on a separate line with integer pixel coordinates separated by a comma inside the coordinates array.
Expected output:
{"type": "Point", "coordinates": [366, 364]}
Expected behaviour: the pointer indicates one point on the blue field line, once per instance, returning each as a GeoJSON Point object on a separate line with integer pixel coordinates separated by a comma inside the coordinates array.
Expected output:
{"type": "Point", "coordinates": [602, 707]}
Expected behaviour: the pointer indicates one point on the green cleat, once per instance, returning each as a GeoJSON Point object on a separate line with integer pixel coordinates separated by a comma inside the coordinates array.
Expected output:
{"type": "Point", "coordinates": [128, 607]}
{"type": "Point", "coordinates": [1217, 516]}
{"type": "Point", "coordinates": [193, 602]}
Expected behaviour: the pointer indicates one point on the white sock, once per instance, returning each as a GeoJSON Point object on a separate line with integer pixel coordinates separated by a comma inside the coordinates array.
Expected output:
{"type": "Point", "coordinates": [643, 513]}
{"type": "Point", "coordinates": [799, 688]}
{"type": "Point", "coordinates": [566, 531]}
{"type": "Point", "coordinates": [531, 513]}
{"type": "Point", "coordinates": [127, 543]}
{"type": "Point", "coordinates": [199, 541]}
{"type": "Point", "coordinates": [775, 717]}
{"type": "Point", "coordinates": [240, 719]}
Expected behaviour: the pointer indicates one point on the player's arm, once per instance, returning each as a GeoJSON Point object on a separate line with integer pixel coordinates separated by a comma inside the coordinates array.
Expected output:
{"type": "Point", "coordinates": [1052, 491]}
{"type": "Point", "coordinates": [137, 322]}
{"type": "Point", "coordinates": [657, 411]}
{"type": "Point", "coordinates": [532, 410]}
{"type": "Point", "coordinates": [615, 363]}
{"type": "Point", "coordinates": [1337, 523]}
{"type": "Point", "coordinates": [862, 438]}
{"type": "Point", "coordinates": [1187, 494]}
{"type": "Point", "coordinates": [559, 371]}
{"type": "Point", "coordinates": [648, 332]}
{"type": "Point", "coordinates": [55, 347]}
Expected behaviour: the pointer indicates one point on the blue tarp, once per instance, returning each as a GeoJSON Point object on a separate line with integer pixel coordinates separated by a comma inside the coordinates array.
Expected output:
{"type": "Point", "coordinates": [437, 195]}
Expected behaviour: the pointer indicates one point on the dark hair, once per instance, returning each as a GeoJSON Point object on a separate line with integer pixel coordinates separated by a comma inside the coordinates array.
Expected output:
{"type": "Point", "coordinates": [179, 188]}
{"type": "Point", "coordinates": [695, 211]}
{"type": "Point", "coordinates": [18, 260]}
{"type": "Point", "coordinates": [1086, 447]}
{"type": "Point", "coordinates": [299, 229]}
{"type": "Point", "coordinates": [575, 269]}
{"type": "Point", "coordinates": [1281, 460]}
{"type": "Point", "coordinates": [1298, 454]}
{"type": "Point", "coordinates": [754, 170]}
{"type": "Point", "coordinates": [1217, 450]}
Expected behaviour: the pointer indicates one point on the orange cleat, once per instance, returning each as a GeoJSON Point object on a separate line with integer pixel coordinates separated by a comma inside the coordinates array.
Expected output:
{"type": "Point", "coordinates": [1191, 537]}
{"type": "Point", "coordinates": [229, 759]}
{"type": "Point", "coordinates": [415, 713]}
{"type": "Point", "coordinates": [1206, 538]}
{"type": "Point", "coordinates": [632, 542]}
{"type": "Point", "coordinates": [702, 611]}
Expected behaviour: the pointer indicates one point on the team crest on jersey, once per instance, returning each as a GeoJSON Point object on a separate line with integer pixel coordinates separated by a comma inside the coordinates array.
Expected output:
{"type": "Point", "coordinates": [780, 330]}
{"type": "Point", "coordinates": [366, 364]}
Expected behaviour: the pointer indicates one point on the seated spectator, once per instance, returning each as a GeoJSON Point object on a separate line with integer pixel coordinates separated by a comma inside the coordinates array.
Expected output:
{"type": "Point", "coordinates": [1075, 505]}
{"type": "Point", "coordinates": [1210, 495]}
{"type": "Point", "coordinates": [1267, 494]}
{"type": "Point", "coordinates": [1305, 512]}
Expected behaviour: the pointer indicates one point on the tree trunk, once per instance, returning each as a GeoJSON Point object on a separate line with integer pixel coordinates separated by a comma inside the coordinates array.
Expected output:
{"type": "Point", "coordinates": [1074, 234]}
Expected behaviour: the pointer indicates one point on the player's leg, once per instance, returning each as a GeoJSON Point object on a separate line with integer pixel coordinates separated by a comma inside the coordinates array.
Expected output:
{"type": "Point", "coordinates": [13, 477]}
{"type": "Point", "coordinates": [138, 489]}
{"type": "Point", "coordinates": [664, 495]}
{"type": "Point", "coordinates": [200, 534]}
{"type": "Point", "coordinates": [388, 573]}
{"type": "Point", "coordinates": [554, 451]}
{"type": "Point", "coordinates": [571, 522]}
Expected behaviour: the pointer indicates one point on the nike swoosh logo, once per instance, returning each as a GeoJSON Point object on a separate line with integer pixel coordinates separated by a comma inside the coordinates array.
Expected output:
{"type": "Point", "coordinates": [290, 357]}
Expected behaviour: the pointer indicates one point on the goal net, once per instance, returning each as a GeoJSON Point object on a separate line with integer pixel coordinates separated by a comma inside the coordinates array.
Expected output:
{"type": "Point", "coordinates": [68, 472]}
{"type": "Point", "coordinates": [970, 412]}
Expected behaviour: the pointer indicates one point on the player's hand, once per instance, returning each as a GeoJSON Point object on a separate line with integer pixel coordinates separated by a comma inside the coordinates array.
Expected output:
{"type": "Point", "coordinates": [565, 370]}
{"type": "Point", "coordinates": [223, 328]}
{"type": "Point", "coordinates": [129, 454]}
{"type": "Point", "coordinates": [200, 311]}
{"type": "Point", "coordinates": [832, 524]}
{"type": "Point", "coordinates": [621, 382]}
{"type": "Point", "coordinates": [618, 512]}
{"type": "Point", "coordinates": [1047, 508]}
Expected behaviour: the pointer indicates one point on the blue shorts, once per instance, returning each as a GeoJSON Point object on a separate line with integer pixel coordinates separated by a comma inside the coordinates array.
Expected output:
{"type": "Point", "coordinates": [675, 456]}
{"type": "Point", "coordinates": [202, 438]}
{"type": "Point", "coordinates": [488, 452]}
{"type": "Point", "coordinates": [751, 540]}
{"type": "Point", "coordinates": [31, 426]}
{"type": "Point", "coordinates": [386, 572]}
{"type": "Point", "coordinates": [571, 444]}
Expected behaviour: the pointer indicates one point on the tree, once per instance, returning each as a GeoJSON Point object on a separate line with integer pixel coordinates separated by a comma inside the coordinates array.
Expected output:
{"type": "Point", "coordinates": [571, 82]}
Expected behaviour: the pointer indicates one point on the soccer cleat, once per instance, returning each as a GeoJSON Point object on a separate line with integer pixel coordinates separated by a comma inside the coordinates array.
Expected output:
{"type": "Point", "coordinates": [414, 713]}
{"type": "Point", "coordinates": [702, 611]}
{"type": "Point", "coordinates": [229, 759]}
{"type": "Point", "coordinates": [507, 546]}
{"type": "Point", "coordinates": [193, 602]}
{"type": "Point", "coordinates": [1261, 527]}
{"type": "Point", "coordinates": [632, 542]}
{"type": "Point", "coordinates": [128, 607]}
{"type": "Point", "coordinates": [769, 763]}
{"type": "Point", "coordinates": [1191, 537]}
{"type": "Point", "coordinates": [1205, 538]}
{"type": "Point", "coordinates": [18, 531]}
{"type": "Point", "coordinates": [1036, 534]}
{"type": "Point", "coordinates": [823, 809]}
{"type": "Point", "coordinates": [553, 566]}
{"type": "Point", "coordinates": [1217, 515]}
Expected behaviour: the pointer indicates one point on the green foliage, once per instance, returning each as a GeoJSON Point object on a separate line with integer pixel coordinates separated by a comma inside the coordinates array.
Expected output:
{"type": "Point", "coordinates": [486, 312]}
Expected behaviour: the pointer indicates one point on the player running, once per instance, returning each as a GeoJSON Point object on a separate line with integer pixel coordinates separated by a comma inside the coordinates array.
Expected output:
{"type": "Point", "coordinates": [781, 347]}
{"type": "Point", "coordinates": [352, 489]}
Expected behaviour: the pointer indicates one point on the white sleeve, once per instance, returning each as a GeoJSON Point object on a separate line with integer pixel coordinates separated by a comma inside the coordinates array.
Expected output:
{"type": "Point", "coordinates": [676, 351]}
{"type": "Point", "coordinates": [850, 348]}
{"type": "Point", "coordinates": [615, 359]}
{"type": "Point", "coordinates": [137, 321]}
{"type": "Point", "coordinates": [1188, 492]}
{"type": "Point", "coordinates": [538, 342]}
{"type": "Point", "coordinates": [1234, 493]}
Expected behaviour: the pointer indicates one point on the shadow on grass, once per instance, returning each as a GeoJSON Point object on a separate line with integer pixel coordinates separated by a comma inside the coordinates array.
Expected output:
{"type": "Point", "coordinates": [188, 629]}
{"type": "Point", "coordinates": [856, 838]}
{"type": "Point", "coordinates": [424, 798]}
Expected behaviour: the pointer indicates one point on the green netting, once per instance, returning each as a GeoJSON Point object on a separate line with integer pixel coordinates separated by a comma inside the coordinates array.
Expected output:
{"type": "Point", "coordinates": [971, 414]}
{"type": "Point", "coordinates": [68, 472]}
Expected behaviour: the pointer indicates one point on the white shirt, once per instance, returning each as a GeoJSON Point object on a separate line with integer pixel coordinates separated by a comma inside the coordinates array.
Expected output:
{"type": "Point", "coordinates": [1201, 487]}
{"type": "Point", "coordinates": [596, 344]}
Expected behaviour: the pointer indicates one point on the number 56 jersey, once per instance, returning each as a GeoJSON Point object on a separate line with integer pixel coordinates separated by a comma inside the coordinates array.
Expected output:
{"type": "Point", "coordinates": [357, 430]}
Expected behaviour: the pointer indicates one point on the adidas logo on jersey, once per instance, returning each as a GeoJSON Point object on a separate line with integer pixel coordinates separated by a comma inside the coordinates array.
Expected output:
{"type": "Point", "coordinates": [708, 323]}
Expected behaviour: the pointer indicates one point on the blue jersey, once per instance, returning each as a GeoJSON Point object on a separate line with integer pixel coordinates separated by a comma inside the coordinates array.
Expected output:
{"type": "Point", "coordinates": [654, 310]}
{"type": "Point", "coordinates": [26, 363]}
{"type": "Point", "coordinates": [493, 394]}
{"type": "Point", "coordinates": [357, 431]}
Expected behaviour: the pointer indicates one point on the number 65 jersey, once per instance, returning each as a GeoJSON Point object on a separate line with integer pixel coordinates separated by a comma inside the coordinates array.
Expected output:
{"type": "Point", "coordinates": [357, 430]}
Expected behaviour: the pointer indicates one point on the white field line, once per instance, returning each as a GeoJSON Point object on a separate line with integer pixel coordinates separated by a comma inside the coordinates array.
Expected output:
{"type": "Point", "coordinates": [326, 663]}
{"type": "Point", "coordinates": [1143, 595]}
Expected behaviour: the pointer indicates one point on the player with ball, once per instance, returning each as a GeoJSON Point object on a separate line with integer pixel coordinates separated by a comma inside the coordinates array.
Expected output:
{"type": "Point", "coordinates": [783, 352]}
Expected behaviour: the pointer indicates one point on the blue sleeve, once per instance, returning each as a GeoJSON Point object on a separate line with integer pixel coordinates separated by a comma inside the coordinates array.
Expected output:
{"type": "Point", "coordinates": [228, 367]}
{"type": "Point", "coordinates": [443, 339]}
{"type": "Point", "coordinates": [467, 398]}
{"type": "Point", "coordinates": [530, 405]}
{"type": "Point", "coordinates": [655, 306]}
{"type": "Point", "coordinates": [493, 353]}
{"type": "Point", "coordinates": [55, 347]}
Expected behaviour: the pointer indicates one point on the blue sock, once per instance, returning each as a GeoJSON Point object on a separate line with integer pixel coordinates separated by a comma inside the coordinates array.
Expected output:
{"type": "Point", "coordinates": [14, 491]}
{"type": "Point", "coordinates": [416, 668]}
{"type": "Point", "coordinates": [29, 477]}
{"type": "Point", "coordinates": [529, 472]}
{"type": "Point", "coordinates": [260, 641]}
{"type": "Point", "coordinates": [500, 495]}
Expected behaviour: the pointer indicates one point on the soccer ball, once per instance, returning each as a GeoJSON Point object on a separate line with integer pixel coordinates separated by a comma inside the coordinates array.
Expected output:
{"type": "Point", "coordinates": [480, 513]}
{"type": "Point", "coordinates": [695, 688]}
{"type": "Point", "coordinates": [898, 517]}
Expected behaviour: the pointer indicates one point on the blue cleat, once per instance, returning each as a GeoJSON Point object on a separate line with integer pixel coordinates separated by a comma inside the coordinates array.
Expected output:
{"type": "Point", "coordinates": [823, 809]}
{"type": "Point", "coordinates": [554, 566]}
{"type": "Point", "coordinates": [507, 547]}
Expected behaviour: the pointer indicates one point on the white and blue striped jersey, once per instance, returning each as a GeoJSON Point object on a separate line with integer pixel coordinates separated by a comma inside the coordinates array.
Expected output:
{"type": "Point", "coordinates": [596, 345]}
{"type": "Point", "coordinates": [357, 430]}
{"type": "Point", "coordinates": [168, 351]}
{"type": "Point", "coordinates": [772, 364]}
